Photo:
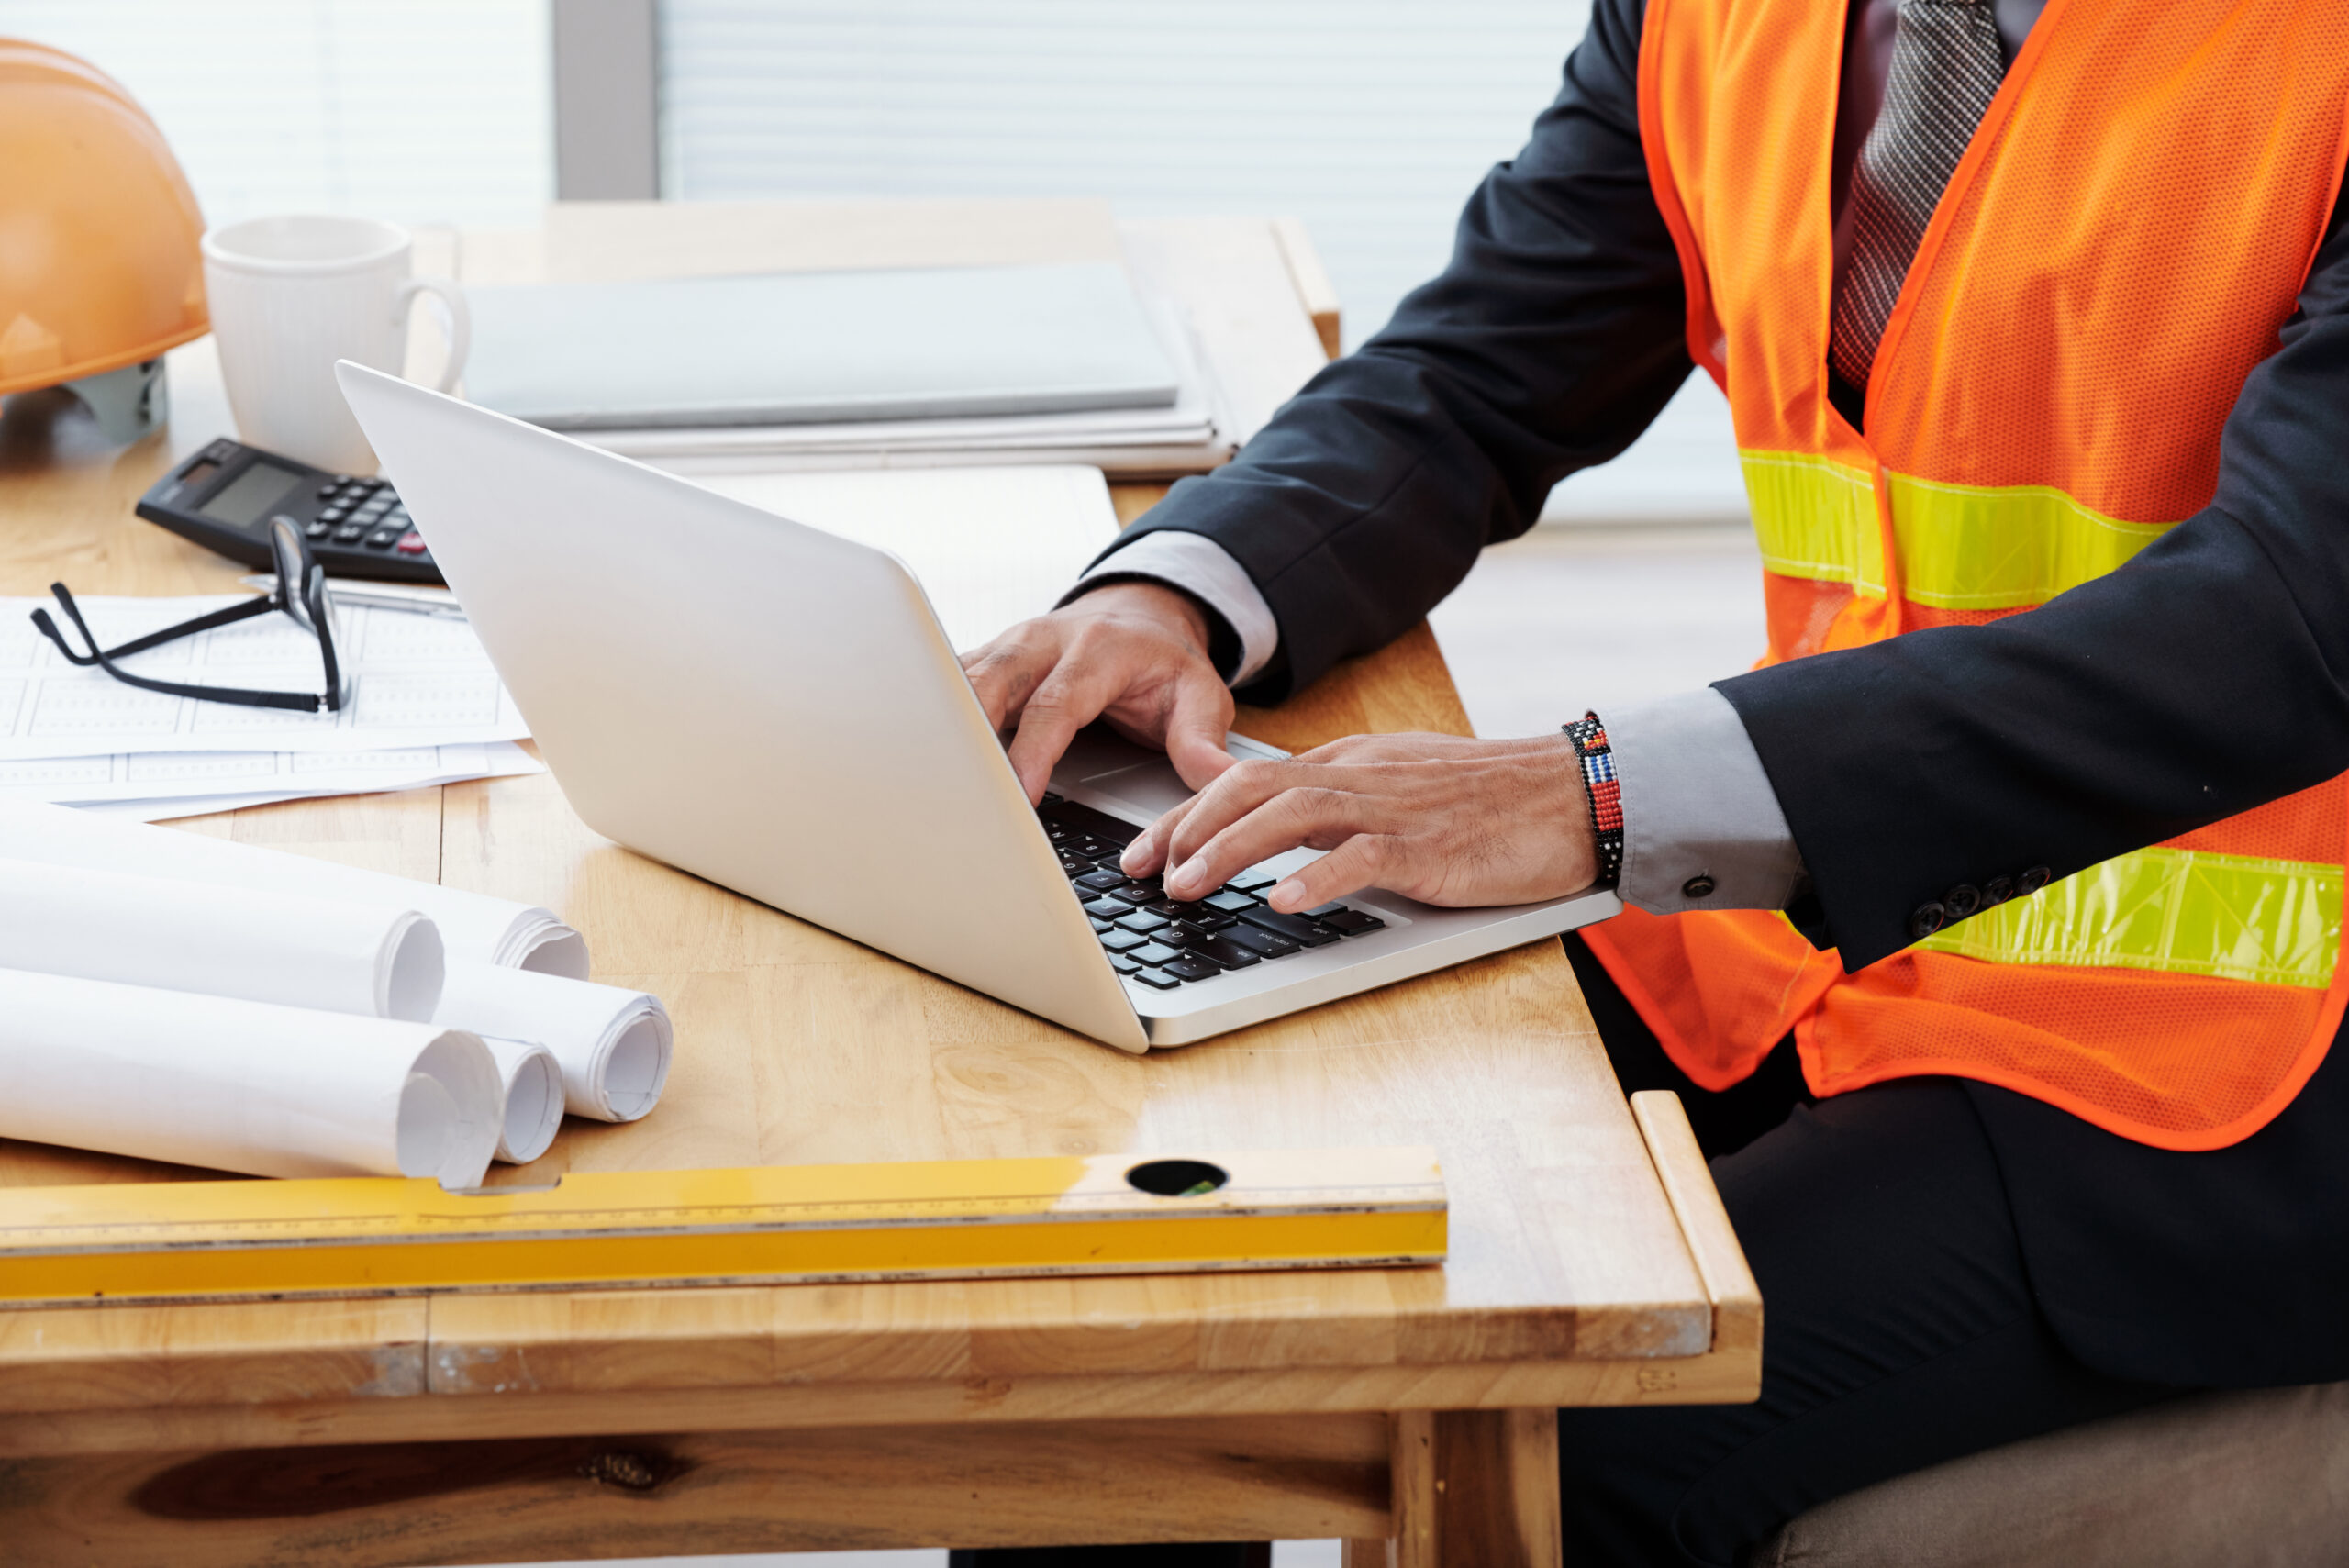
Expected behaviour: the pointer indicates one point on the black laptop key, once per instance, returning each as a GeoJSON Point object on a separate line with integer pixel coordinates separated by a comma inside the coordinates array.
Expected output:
{"type": "Point", "coordinates": [1100, 926]}
{"type": "Point", "coordinates": [1192, 969]}
{"type": "Point", "coordinates": [1143, 920]}
{"type": "Point", "coordinates": [1199, 914]}
{"type": "Point", "coordinates": [1320, 911]}
{"type": "Point", "coordinates": [1100, 880]}
{"type": "Point", "coordinates": [1122, 941]}
{"type": "Point", "coordinates": [1123, 964]}
{"type": "Point", "coordinates": [1255, 879]}
{"type": "Point", "coordinates": [1074, 865]}
{"type": "Point", "coordinates": [1138, 893]}
{"type": "Point", "coordinates": [1084, 819]}
{"type": "Point", "coordinates": [1154, 953]}
{"type": "Point", "coordinates": [1107, 909]}
{"type": "Point", "coordinates": [1295, 928]}
{"type": "Point", "coordinates": [1231, 902]}
{"type": "Point", "coordinates": [1094, 849]}
{"type": "Point", "coordinates": [1157, 979]}
{"type": "Point", "coordinates": [1353, 923]}
{"type": "Point", "coordinates": [1050, 799]}
{"type": "Point", "coordinates": [1261, 942]}
{"type": "Point", "coordinates": [1225, 951]}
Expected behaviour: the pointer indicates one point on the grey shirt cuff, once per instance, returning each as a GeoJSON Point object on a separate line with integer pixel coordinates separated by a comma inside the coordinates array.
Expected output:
{"type": "Point", "coordinates": [1205, 571]}
{"type": "Point", "coordinates": [1698, 808]}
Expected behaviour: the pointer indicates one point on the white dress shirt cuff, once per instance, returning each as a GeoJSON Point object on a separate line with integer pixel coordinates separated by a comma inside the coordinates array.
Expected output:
{"type": "Point", "coordinates": [1205, 571]}
{"type": "Point", "coordinates": [1701, 825]}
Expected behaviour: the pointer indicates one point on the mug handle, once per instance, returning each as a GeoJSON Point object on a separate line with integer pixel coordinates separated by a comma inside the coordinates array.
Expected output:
{"type": "Point", "coordinates": [459, 320]}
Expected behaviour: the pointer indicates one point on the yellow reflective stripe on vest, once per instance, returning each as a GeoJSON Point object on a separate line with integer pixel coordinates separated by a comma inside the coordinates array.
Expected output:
{"type": "Point", "coordinates": [1962, 546]}
{"type": "Point", "coordinates": [1815, 517]}
{"type": "Point", "coordinates": [2174, 912]}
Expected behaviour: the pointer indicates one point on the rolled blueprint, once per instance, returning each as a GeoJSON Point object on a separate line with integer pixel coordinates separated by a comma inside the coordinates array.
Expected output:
{"type": "Point", "coordinates": [613, 1044]}
{"type": "Point", "coordinates": [532, 1083]}
{"type": "Point", "coordinates": [370, 959]}
{"type": "Point", "coordinates": [237, 1086]}
{"type": "Point", "coordinates": [473, 925]}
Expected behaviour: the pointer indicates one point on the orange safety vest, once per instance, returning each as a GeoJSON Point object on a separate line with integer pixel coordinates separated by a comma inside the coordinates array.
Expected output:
{"type": "Point", "coordinates": [2120, 245]}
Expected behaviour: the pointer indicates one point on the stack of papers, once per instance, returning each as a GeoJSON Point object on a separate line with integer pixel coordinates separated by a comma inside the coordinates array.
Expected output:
{"type": "Point", "coordinates": [914, 367]}
{"type": "Point", "coordinates": [425, 707]}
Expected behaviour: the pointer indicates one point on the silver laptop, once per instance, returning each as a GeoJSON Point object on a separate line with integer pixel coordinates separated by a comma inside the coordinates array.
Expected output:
{"type": "Point", "coordinates": [775, 709]}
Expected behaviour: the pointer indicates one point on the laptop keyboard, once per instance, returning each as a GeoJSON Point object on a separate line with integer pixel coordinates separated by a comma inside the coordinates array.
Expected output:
{"type": "Point", "coordinates": [1151, 939]}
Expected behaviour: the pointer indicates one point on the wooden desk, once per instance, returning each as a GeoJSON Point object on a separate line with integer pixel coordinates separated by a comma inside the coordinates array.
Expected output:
{"type": "Point", "coordinates": [1409, 1410]}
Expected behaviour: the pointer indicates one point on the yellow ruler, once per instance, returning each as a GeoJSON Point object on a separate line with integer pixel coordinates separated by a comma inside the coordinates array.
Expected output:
{"type": "Point", "coordinates": [775, 1224]}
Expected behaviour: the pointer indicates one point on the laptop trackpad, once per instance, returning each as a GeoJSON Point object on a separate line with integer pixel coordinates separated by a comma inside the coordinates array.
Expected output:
{"type": "Point", "coordinates": [1103, 761]}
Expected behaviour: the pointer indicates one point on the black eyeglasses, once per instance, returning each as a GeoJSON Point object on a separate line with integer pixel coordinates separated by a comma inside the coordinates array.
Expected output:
{"type": "Point", "coordinates": [301, 593]}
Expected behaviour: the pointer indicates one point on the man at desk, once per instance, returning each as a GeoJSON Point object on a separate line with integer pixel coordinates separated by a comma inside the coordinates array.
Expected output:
{"type": "Point", "coordinates": [1992, 925]}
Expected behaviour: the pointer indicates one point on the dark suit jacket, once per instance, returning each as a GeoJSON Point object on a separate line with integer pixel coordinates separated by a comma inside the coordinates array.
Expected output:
{"type": "Point", "coordinates": [2209, 675]}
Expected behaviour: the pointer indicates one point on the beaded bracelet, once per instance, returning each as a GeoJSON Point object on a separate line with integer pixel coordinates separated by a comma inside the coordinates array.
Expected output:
{"type": "Point", "coordinates": [1605, 794]}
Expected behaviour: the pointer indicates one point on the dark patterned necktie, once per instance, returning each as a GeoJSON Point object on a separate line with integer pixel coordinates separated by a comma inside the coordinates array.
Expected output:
{"type": "Point", "coordinates": [1946, 67]}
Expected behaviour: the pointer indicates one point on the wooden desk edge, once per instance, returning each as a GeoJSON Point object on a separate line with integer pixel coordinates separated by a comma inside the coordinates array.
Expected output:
{"type": "Point", "coordinates": [1697, 1205]}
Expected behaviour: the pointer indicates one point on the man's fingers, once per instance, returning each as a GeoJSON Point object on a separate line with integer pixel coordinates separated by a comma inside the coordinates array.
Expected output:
{"type": "Point", "coordinates": [1002, 674]}
{"type": "Point", "coordinates": [1148, 851]}
{"type": "Point", "coordinates": [1196, 725]}
{"type": "Point", "coordinates": [1305, 815]}
{"type": "Point", "coordinates": [1063, 705]}
{"type": "Point", "coordinates": [1367, 860]}
{"type": "Point", "coordinates": [1236, 791]}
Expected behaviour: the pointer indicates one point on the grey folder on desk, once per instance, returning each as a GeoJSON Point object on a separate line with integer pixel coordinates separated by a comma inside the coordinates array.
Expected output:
{"type": "Point", "coordinates": [810, 348]}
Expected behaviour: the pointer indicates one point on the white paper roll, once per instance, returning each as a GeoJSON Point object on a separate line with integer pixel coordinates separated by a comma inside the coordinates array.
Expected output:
{"type": "Point", "coordinates": [237, 1086]}
{"type": "Point", "coordinates": [473, 925]}
{"type": "Point", "coordinates": [613, 1044]}
{"type": "Point", "coordinates": [532, 1082]}
{"type": "Point", "coordinates": [369, 958]}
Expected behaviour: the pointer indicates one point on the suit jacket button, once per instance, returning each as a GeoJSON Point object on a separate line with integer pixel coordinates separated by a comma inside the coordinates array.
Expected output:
{"type": "Point", "coordinates": [2033, 880]}
{"type": "Point", "coordinates": [1927, 918]}
{"type": "Point", "coordinates": [1996, 891]}
{"type": "Point", "coordinates": [1962, 900]}
{"type": "Point", "coordinates": [1697, 887]}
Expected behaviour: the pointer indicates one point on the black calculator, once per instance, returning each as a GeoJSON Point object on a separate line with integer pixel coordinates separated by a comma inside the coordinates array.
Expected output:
{"type": "Point", "coordinates": [225, 496]}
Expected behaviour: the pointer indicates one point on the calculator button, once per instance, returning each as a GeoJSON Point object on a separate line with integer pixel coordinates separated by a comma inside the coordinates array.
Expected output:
{"type": "Point", "coordinates": [349, 533]}
{"type": "Point", "coordinates": [328, 488]}
{"type": "Point", "coordinates": [383, 538]}
{"type": "Point", "coordinates": [411, 543]}
{"type": "Point", "coordinates": [334, 514]}
{"type": "Point", "coordinates": [317, 528]}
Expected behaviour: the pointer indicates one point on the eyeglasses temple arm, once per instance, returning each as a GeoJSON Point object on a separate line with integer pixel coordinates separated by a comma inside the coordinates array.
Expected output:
{"type": "Point", "coordinates": [298, 702]}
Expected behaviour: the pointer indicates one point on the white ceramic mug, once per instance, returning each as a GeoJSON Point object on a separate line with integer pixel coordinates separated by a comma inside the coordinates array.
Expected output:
{"type": "Point", "coordinates": [291, 296]}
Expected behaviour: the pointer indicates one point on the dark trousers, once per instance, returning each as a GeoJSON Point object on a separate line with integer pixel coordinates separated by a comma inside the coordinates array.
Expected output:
{"type": "Point", "coordinates": [1899, 1329]}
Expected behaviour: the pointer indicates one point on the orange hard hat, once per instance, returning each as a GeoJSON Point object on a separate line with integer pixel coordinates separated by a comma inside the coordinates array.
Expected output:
{"type": "Point", "coordinates": [99, 268]}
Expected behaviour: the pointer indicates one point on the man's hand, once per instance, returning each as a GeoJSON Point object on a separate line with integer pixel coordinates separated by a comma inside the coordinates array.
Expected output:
{"type": "Point", "coordinates": [1434, 817]}
{"type": "Point", "coordinates": [1133, 653]}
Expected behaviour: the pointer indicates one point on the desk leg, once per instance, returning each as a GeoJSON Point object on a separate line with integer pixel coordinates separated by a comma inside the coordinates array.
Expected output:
{"type": "Point", "coordinates": [1470, 1489]}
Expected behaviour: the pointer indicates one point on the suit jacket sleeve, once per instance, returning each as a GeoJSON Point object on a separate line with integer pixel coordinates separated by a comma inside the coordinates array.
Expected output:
{"type": "Point", "coordinates": [2209, 675]}
{"type": "Point", "coordinates": [1551, 340]}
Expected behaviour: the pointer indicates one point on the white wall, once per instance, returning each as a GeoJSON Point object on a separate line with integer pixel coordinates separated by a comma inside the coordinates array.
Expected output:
{"type": "Point", "coordinates": [418, 111]}
{"type": "Point", "coordinates": [1370, 119]}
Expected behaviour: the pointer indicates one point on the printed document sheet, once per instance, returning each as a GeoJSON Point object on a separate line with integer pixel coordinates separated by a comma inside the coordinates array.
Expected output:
{"type": "Point", "coordinates": [415, 681]}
